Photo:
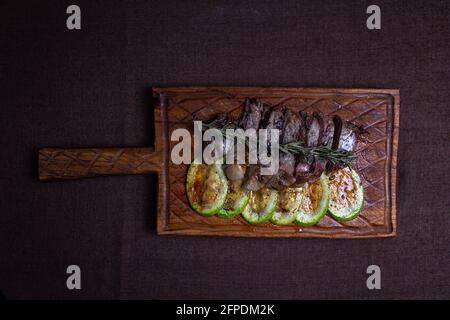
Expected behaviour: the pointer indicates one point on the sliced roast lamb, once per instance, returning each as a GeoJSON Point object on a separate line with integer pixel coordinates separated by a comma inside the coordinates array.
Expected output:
{"type": "Point", "coordinates": [345, 134]}
{"type": "Point", "coordinates": [290, 132]}
{"type": "Point", "coordinates": [347, 140]}
{"type": "Point", "coordinates": [235, 172]}
{"type": "Point", "coordinates": [318, 132]}
{"type": "Point", "coordinates": [329, 132]}
{"type": "Point", "coordinates": [312, 130]}
{"type": "Point", "coordinates": [252, 180]}
{"type": "Point", "coordinates": [251, 116]}
{"type": "Point", "coordinates": [318, 165]}
{"type": "Point", "coordinates": [338, 134]}
{"type": "Point", "coordinates": [303, 165]}
{"type": "Point", "coordinates": [274, 120]}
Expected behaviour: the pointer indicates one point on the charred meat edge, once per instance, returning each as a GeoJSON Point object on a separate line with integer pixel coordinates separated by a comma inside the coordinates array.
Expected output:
{"type": "Point", "coordinates": [274, 120]}
{"type": "Point", "coordinates": [312, 129]}
{"type": "Point", "coordinates": [251, 116]}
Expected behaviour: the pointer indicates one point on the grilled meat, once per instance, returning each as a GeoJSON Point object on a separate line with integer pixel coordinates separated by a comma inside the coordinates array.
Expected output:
{"type": "Point", "coordinates": [274, 120]}
{"type": "Point", "coordinates": [303, 165]}
{"type": "Point", "coordinates": [345, 134]}
{"type": "Point", "coordinates": [303, 127]}
{"type": "Point", "coordinates": [319, 165]}
{"type": "Point", "coordinates": [347, 140]}
{"type": "Point", "coordinates": [311, 129]}
{"type": "Point", "coordinates": [235, 172]}
{"type": "Point", "coordinates": [337, 131]}
{"type": "Point", "coordinates": [329, 132]}
{"type": "Point", "coordinates": [271, 119]}
{"type": "Point", "coordinates": [252, 181]}
{"type": "Point", "coordinates": [285, 176]}
{"type": "Point", "coordinates": [291, 133]}
{"type": "Point", "coordinates": [251, 116]}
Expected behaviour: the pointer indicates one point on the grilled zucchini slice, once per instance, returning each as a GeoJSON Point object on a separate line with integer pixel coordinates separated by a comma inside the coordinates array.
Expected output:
{"type": "Point", "coordinates": [289, 201]}
{"type": "Point", "coordinates": [206, 188]}
{"type": "Point", "coordinates": [315, 202]}
{"type": "Point", "coordinates": [236, 200]}
{"type": "Point", "coordinates": [346, 194]}
{"type": "Point", "coordinates": [261, 206]}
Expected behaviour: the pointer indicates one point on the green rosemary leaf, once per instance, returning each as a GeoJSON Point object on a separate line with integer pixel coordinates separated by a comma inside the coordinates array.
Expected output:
{"type": "Point", "coordinates": [337, 157]}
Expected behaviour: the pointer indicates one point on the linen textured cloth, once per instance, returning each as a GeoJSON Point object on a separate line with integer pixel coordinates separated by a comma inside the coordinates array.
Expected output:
{"type": "Point", "coordinates": [91, 88]}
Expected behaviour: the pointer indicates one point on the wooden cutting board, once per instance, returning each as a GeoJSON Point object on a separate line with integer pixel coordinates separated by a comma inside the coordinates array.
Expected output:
{"type": "Point", "coordinates": [377, 110]}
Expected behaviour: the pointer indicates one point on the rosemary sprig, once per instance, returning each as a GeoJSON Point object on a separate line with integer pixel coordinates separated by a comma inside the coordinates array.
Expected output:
{"type": "Point", "coordinates": [337, 157]}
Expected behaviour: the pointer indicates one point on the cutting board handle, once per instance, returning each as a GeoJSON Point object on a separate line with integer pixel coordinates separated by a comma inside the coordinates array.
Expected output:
{"type": "Point", "coordinates": [67, 164]}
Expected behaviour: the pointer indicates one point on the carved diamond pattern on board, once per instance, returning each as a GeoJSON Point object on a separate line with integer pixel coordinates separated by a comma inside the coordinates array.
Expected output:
{"type": "Point", "coordinates": [371, 113]}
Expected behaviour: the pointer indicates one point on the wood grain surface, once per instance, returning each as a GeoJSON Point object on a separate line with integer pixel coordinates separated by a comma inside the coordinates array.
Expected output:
{"type": "Point", "coordinates": [66, 164]}
{"type": "Point", "coordinates": [377, 110]}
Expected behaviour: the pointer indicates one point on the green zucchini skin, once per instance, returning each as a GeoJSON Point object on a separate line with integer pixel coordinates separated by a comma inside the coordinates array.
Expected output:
{"type": "Point", "coordinates": [257, 218]}
{"type": "Point", "coordinates": [360, 203]}
{"type": "Point", "coordinates": [321, 211]}
{"type": "Point", "coordinates": [190, 179]}
{"type": "Point", "coordinates": [283, 218]}
{"type": "Point", "coordinates": [271, 211]}
{"type": "Point", "coordinates": [228, 214]}
{"type": "Point", "coordinates": [240, 205]}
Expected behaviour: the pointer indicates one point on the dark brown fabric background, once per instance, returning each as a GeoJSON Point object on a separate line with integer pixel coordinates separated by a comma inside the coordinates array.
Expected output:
{"type": "Point", "coordinates": [90, 88]}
